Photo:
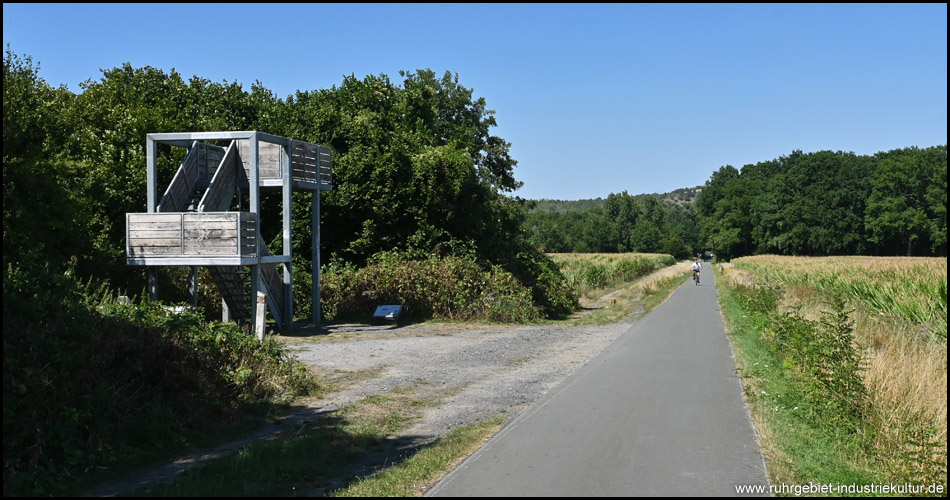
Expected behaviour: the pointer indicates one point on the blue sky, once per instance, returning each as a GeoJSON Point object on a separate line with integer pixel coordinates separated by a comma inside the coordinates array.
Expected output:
{"type": "Point", "coordinates": [595, 98]}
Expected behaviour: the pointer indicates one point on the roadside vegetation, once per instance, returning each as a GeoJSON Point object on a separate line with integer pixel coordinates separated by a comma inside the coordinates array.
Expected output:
{"type": "Point", "coordinates": [587, 272]}
{"type": "Point", "coordinates": [424, 469]}
{"type": "Point", "coordinates": [843, 370]}
{"type": "Point", "coordinates": [612, 287]}
{"type": "Point", "coordinates": [93, 387]}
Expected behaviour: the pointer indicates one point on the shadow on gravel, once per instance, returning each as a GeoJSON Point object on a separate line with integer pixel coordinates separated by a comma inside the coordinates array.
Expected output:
{"type": "Point", "coordinates": [309, 452]}
{"type": "Point", "coordinates": [315, 330]}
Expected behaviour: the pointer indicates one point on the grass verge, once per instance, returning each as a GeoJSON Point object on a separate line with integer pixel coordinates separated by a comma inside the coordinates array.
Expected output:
{"type": "Point", "coordinates": [805, 438]}
{"type": "Point", "coordinates": [428, 466]}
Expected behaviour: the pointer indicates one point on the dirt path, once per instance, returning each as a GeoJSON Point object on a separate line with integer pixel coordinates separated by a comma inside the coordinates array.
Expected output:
{"type": "Point", "coordinates": [472, 372]}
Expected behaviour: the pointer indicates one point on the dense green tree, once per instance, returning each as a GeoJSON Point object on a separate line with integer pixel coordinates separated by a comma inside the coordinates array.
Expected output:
{"type": "Point", "coordinates": [829, 203]}
{"type": "Point", "coordinates": [936, 197]}
{"type": "Point", "coordinates": [575, 231]}
{"type": "Point", "coordinates": [415, 167]}
{"type": "Point", "coordinates": [897, 215]}
{"type": "Point", "coordinates": [681, 228]}
{"type": "Point", "coordinates": [645, 237]}
{"type": "Point", "coordinates": [47, 221]}
{"type": "Point", "coordinates": [811, 204]}
{"type": "Point", "coordinates": [714, 190]}
{"type": "Point", "coordinates": [623, 210]}
{"type": "Point", "coordinates": [724, 207]}
{"type": "Point", "coordinates": [544, 233]}
{"type": "Point", "coordinates": [622, 223]}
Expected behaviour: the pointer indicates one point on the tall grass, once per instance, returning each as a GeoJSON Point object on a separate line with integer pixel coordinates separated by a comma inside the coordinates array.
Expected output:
{"type": "Point", "coordinates": [897, 310]}
{"type": "Point", "coordinates": [912, 290]}
{"type": "Point", "coordinates": [586, 272]}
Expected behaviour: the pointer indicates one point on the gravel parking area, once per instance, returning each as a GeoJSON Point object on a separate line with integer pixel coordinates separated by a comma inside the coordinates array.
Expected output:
{"type": "Point", "coordinates": [473, 373]}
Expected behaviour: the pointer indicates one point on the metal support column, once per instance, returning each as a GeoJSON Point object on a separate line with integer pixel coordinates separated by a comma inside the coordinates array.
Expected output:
{"type": "Point", "coordinates": [287, 175]}
{"type": "Point", "coordinates": [225, 312]}
{"type": "Point", "coordinates": [315, 223]}
{"type": "Point", "coordinates": [151, 174]}
{"type": "Point", "coordinates": [151, 180]}
{"type": "Point", "coordinates": [255, 208]}
{"type": "Point", "coordinates": [256, 311]}
{"type": "Point", "coordinates": [151, 282]}
{"type": "Point", "coordinates": [193, 286]}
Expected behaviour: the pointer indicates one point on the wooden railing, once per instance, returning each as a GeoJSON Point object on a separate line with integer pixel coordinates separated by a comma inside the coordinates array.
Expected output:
{"type": "Point", "coordinates": [308, 162]}
{"type": "Point", "coordinates": [198, 163]}
{"type": "Point", "coordinates": [311, 163]}
{"type": "Point", "coordinates": [208, 234]}
{"type": "Point", "coordinates": [268, 159]}
{"type": "Point", "coordinates": [273, 283]}
{"type": "Point", "coordinates": [221, 191]}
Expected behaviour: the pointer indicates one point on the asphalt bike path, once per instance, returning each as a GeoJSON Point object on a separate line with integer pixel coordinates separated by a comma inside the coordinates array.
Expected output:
{"type": "Point", "coordinates": [658, 413]}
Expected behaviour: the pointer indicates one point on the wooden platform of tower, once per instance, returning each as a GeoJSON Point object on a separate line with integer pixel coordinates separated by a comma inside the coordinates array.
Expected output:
{"type": "Point", "coordinates": [201, 220]}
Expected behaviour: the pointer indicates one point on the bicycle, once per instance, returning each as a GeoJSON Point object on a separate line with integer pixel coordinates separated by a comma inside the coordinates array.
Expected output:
{"type": "Point", "coordinates": [696, 277]}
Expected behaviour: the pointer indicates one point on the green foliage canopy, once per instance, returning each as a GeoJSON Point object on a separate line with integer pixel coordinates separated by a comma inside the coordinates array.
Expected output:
{"type": "Point", "coordinates": [829, 203]}
{"type": "Point", "coordinates": [621, 223]}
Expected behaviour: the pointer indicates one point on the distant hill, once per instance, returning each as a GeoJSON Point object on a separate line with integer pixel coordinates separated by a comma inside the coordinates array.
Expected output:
{"type": "Point", "coordinates": [561, 206]}
{"type": "Point", "coordinates": [681, 195]}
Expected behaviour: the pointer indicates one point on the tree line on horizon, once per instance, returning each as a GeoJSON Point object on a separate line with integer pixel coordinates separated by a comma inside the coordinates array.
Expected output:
{"type": "Point", "coordinates": [816, 204]}
{"type": "Point", "coordinates": [681, 195]}
{"type": "Point", "coordinates": [620, 223]}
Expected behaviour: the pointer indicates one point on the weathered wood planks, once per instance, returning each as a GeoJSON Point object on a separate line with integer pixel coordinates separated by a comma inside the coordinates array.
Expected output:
{"type": "Point", "coordinates": [268, 159]}
{"type": "Point", "coordinates": [191, 234]}
{"type": "Point", "coordinates": [308, 162]}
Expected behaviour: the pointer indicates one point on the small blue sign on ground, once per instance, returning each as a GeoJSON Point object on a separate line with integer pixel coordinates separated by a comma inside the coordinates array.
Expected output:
{"type": "Point", "coordinates": [388, 312]}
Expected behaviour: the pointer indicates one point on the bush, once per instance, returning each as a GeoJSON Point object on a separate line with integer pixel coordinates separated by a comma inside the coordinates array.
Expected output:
{"type": "Point", "coordinates": [827, 364]}
{"type": "Point", "coordinates": [452, 288]}
{"type": "Point", "coordinates": [821, 356]}
{"type": "Point", "coordinates": [550, 290]}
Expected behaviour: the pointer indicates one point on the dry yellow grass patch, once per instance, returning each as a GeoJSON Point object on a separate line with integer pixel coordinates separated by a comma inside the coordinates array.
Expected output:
{"type": "Point", "coordinates": [907, 380]}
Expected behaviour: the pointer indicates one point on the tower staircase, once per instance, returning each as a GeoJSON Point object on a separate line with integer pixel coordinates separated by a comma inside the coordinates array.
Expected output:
{"type": "Point", "coordinates": [191, 190]}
